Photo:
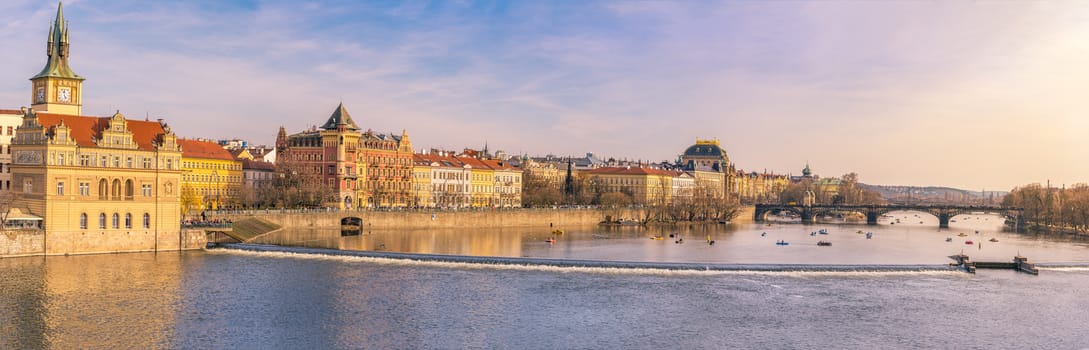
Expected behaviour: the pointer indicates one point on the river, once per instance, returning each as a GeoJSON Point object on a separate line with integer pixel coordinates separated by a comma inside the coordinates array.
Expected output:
{"type": "Point", "coordinates": [237, 299]}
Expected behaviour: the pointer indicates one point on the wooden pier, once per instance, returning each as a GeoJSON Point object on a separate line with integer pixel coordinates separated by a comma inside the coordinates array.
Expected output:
{"type": "Point", "coordinates": [1019, 263]}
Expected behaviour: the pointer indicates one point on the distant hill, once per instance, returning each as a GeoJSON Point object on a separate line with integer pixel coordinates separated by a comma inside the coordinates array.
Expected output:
{"type": "Point", "coordinates": [936, 195]}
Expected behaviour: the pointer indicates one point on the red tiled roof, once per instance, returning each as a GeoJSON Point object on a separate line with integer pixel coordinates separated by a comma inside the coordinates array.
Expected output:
{"type": "Point", "coordinates": [203, 149]}
{"type": "Point", "coordinates": [435, 158]}
{"type": "Point", "coordinates": [11, 111]}
{"type": "Point", "coordinates": [257, 165]}
{"type": "Point", "coordinates": [632, 171]}
{"type": "Point", "coordinates": [87, 129]}
{"type": "Point", "coordinates": [497, 165]}
{"type": "Point", "coordinates": [473, 162]}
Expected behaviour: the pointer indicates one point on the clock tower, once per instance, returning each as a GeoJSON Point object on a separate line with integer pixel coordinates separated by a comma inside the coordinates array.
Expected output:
{"type": "Point", "coordinates": [56, 89]}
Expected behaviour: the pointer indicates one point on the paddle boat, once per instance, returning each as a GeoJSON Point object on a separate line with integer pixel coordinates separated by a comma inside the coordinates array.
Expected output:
{"type": "Point", "coordinates": [782, 243]}
{"type": "Point", "coordinates": [993, 239]}
{"type": "Point", "coordinates": [657, 238]}
{"type": "Point", "coordinates": [824, 243]}
{"type": "Point", "coordinates": [557, 232]}
{"type": "Point", "coordinates": [869, 235]}
{"type": "Point", "coordinates": [962, 234]}
{"type": "Point", "coordinates": [823, 231]}
{"type": "Point", "coordinates": [550, 240]}
{"type": "Point", "coordinates": [949, 239]}
{"type": "Point", "coordinates": [969, 242]}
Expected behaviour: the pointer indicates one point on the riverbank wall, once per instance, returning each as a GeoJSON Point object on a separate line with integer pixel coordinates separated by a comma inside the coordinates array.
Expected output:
{"type": "Point", "coordinates": [18, 243]}
{"type": "Point", "coordinates": [423, 219]}
{"type": "Point", "coordinates": [557, 218]}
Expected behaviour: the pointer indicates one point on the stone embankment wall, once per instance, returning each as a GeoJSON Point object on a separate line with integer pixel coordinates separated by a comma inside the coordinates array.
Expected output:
{"type": "Point", "coordinates": [558, 218]}
{"type": "Point", "coordinates": [21, 243]}
{"type": "Point", "coordinates": [35, 243]}
{"type": "Point", "coordinates": [422, 220]}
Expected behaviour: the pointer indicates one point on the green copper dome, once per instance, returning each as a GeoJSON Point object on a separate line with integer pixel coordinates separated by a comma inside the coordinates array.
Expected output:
{"type": "Point", "coordinates": [57, 66]}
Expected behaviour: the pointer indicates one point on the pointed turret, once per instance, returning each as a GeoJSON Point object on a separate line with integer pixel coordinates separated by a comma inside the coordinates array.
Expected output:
{"type": "Point", "coordinates": [340, 119]}
{"type": "Point", "coordinates": [57, 50]}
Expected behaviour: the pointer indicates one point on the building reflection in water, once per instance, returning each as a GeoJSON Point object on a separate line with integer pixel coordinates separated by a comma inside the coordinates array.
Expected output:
{"type": "Point", "coordinates": [477, 242]}
{"type": "Point", "coordinates": [89, 301]}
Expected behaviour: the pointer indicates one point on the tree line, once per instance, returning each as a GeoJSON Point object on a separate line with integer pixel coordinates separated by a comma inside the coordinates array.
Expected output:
{"type": "Point", "coordinates": [1052, 208]}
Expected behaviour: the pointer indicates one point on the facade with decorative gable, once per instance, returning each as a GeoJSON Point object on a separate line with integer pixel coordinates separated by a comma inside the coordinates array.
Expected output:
{"type": "Point", "coordinates": [97, 183]}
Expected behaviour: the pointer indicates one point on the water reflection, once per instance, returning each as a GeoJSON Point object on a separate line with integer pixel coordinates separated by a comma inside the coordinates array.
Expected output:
{"type": "Point", "coordinates": [57, 304]}
{"type": "Point", "coordinates": [915, 239]}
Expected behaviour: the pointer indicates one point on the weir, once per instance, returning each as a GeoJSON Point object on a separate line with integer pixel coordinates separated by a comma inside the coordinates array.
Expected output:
{"type": "Point", "coordinates": [1019, 263]}
{"type": "Point", "coordinates": [576, 263]}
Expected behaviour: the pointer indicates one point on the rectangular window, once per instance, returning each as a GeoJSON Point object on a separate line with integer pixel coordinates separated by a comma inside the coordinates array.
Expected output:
{"type": "Point", "coordinates": [60, 188]}
{"type": "Point", "coordinates": [145, 189]}
{"type": "Point", "coordinates": [147, 163]}
{"type": "Point", "coordinates": [128, 162]}
{"type": "Point", "coordinates": [11, 131]}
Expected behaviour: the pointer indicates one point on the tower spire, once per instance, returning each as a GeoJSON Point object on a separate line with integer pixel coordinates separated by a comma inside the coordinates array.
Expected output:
{"type": "Point", "coordinates": [57, 50]}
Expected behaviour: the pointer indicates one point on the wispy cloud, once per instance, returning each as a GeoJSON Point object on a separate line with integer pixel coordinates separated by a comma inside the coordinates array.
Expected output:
{"type": "Point", "coordinates": [972, 94]}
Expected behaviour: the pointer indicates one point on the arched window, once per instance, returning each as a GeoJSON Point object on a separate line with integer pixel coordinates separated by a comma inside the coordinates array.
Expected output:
{"type": "Point", "coordinates": [128, 189]}
{"type": "Point", "coordinates": [147, 220]}
{"type": "Point", "coordinates": [128, 220]}
{"type": "Point", "coordinates": [116, 220]}
{"type": "Point", "coordinates": [103, 189]}
{"type": "Point", "coordinates": [116, 190]}
{"type": "Point", "coordinates": [102, 220]}
{"type": "Point", "coordinates": [83, 221]}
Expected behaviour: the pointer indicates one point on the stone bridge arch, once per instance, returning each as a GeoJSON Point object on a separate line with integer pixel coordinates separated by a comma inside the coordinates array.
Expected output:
{"type": "Point", "coordinates": [943, 212]}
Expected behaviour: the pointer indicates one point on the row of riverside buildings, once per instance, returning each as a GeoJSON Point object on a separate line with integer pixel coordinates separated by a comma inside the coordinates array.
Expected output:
{"type": "Point", "coordinates": [110, 175]}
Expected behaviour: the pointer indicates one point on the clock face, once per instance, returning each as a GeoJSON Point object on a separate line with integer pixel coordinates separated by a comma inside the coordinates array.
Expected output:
{"type": "Point", "coordinates": [40, 95]}
{"type": "Point", "coordinates": [65, 95]}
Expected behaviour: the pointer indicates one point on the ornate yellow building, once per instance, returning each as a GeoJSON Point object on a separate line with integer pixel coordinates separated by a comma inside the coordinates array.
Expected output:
{"type": "Point", "coordinates": [98, 183]}
{"type": "Point", "coordinates": [388, 159]}
{"type": "Point", "coordinates": [644, 185]}
{"type": "Point", "coordinates": [211, 177]}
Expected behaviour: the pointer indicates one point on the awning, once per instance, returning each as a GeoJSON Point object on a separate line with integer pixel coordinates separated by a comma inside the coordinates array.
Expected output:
{"type": "Point", "coordinates": [14, 214]}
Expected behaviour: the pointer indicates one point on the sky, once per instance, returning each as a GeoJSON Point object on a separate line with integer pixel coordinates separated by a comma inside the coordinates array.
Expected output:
{"type": "Point", "coordinates": [975, 95]}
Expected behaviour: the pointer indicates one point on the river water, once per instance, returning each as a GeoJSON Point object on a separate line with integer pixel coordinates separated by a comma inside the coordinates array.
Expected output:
{"type": "Point", "coordinates": [238, 299]}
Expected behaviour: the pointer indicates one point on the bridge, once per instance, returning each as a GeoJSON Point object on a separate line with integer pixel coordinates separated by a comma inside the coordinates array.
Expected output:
{"type": "Point", "coordinates": [872, 212]}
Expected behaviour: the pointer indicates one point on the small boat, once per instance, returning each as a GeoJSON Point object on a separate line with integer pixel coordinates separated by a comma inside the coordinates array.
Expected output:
{"type": "Point", "coordinates": [657, 238]}
{"type": "Point", "coordinates": [859, 232]}
{"type": "Point", "coordinates": [962, 234]}
{"type": "Point", "coordinates": [550, 240]}
{"type": "Point", "coordinates": [824, 243]}
{"type": "Point", "coordinates": [763, 234]}
{"type": "Point", "coordinates": [823, 231]}
{"type": "Point", "coordinates": [993, 239]}
{"type": "Point", "coordinates": [782, 243]}
{"type": "Point", "coordinates": [557, 232]}
{"type": "Point", "coordinates": [969, 242]}
{"type": "Point", "coordinates": [812, 233]}
{"type": "Point", "coordinates": [949, 239]}
{"type": "Point", "coordinates": [869, 235]}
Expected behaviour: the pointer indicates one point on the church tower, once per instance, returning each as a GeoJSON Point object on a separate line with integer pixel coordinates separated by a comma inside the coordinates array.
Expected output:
{"type": "Point", "coordinates": [56, 89]}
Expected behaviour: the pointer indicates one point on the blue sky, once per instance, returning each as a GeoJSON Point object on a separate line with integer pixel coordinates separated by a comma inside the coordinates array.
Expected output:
{"type": "Point", "coordinates": [968, 94]}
